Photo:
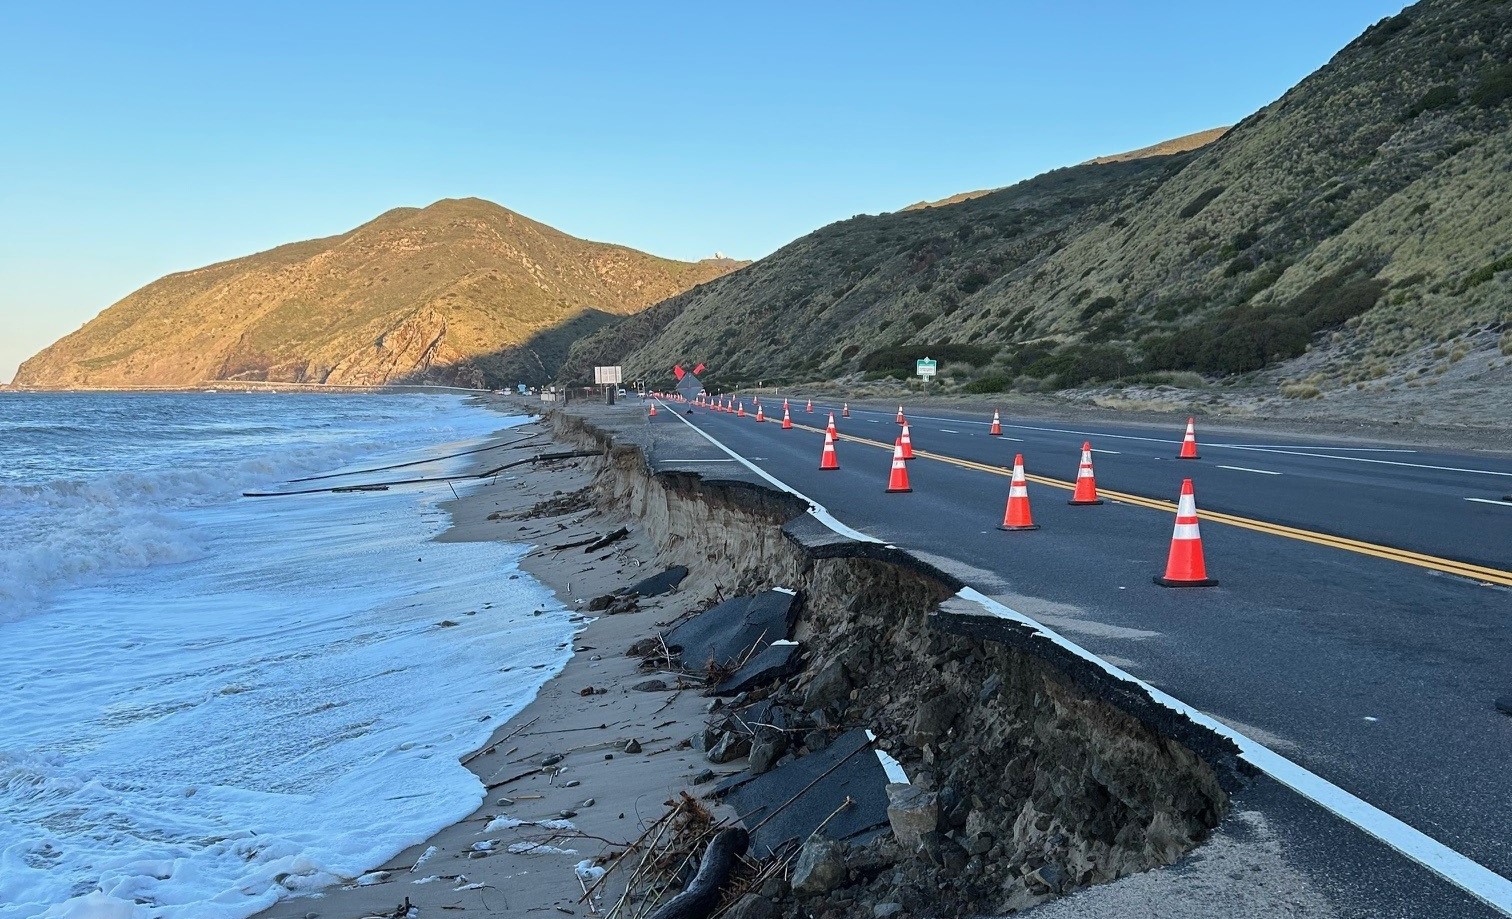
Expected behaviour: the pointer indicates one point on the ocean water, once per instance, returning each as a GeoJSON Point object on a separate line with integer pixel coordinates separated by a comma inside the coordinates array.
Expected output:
{"type": "Point", "coordinates": [210, 702]}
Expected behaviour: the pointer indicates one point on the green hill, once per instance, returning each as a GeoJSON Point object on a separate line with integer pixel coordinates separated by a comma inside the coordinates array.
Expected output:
{"type": "Point", "coordinates": [1364, 220]}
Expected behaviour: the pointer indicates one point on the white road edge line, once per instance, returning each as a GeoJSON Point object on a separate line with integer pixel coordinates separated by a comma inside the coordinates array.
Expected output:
{"type": "Point", "coordinates": [1490, 501]}
{"type": "Point", "coordinates": [1248, 469]}
{"type": "Point", "coordinates": [1468, 875]}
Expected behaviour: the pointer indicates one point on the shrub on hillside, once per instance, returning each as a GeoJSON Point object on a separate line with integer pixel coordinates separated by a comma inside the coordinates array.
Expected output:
{"type": "Point", "coordinates": [986, 385]}
{"type": "Point", "coordinates": [1494, 89]}
{"type": "Point", "coordinates": [899, 360]}
{"type": "Point", "coordinates": [1436, 98]}
{"type": "Point", "coordinates": [1196, 205]}
{"type": "Point", "coordinates": [1485, 273]}
{"type": "Point", "coordinates": [1249, 337]}
{"type": "Point", "coordinates": [973, 282]}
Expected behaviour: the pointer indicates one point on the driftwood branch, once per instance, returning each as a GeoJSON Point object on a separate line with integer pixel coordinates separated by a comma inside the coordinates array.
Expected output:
{"type": "Point", "coordinates": [614, 537]}
{"type": "Point", "coordinates": [700, 897]}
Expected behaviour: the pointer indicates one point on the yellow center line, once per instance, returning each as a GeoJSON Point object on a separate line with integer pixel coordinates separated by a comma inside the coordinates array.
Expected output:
{"type": "Point", "coordinates": [1391, 553]}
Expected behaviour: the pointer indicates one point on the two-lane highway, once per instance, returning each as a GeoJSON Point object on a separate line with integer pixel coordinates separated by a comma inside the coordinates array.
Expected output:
{"type": "Point", "coordinates": [1361, 662]}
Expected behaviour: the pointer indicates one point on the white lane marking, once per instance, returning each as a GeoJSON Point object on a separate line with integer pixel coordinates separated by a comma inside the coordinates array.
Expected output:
{"type": "Point", "coordinates": [1490, 501]}
{"type": "Point", "coordinates": [1314, 447]}
{"type": "Point", "coordinates": [948, 431]}
{"type": "Point", "coordinates": [1206, 444]}
{"type": "Point", "coordinates": [682, 460]}
{"type": "Point", "coordinates": [1248, 469]}
{"type": "Point", "coordinates": [1366, 459]}
{"type": "Point", "coordinates": [1470, 876]}
{"type": "Point", "coordinates": [1109, 452]}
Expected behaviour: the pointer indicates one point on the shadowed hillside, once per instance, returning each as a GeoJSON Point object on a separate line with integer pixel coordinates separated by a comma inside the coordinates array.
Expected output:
{"type": "Point", "coordinates": [1357, 227]}
{"type": "Point", "coordinates": [463, 291]}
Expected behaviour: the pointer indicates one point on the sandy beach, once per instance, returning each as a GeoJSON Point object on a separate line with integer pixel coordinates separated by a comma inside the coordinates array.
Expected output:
{"type": "Point", "coordinates": [583, 770]}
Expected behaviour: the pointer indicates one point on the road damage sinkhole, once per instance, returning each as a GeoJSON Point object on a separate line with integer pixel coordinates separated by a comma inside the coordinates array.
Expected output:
{"type": "Point", "coordinates": [1031, 773]}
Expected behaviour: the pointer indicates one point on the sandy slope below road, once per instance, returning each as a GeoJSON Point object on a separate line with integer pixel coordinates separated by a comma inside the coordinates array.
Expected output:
{"type": "Point", "coordinates": [612, 795]}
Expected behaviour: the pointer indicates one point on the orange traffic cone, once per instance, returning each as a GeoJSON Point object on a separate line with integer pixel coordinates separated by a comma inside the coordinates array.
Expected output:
{"type": "Point", "coordinates": [831, 426]}
{"type": "Point", "coordinates": [810, 408]}
{"type": "Point", "coordinates": [997, 425]}
{"type": "Point", "coordinates": [845, 410]}
{"type": "Point", "coordinates": [827, 459]}
{"type": "Point", "coordinates": [1017, 516]}
{"type": "Point", "coordinates": [741, 412]}
{"type": "Point", "coordinates": [1086, 483]}
{"type": "Point", "coordinates": [900, 414]}
{"type": "Point", "coordinates": [898, 481]}
{"type": "Point", "coordinates": [787, 420]}
{"type": "Point", "coordinates": [784, 405]}
{"type": "Point", "coordinates": [1184, 566]}
{"type": "Point", "coordinates": [653, 410]}
{"type": "Point", "coordinates": [1189, 442]}
{"type": "Point", "coordinates": [906, 442]}
{"type": "Point", "coordinates": [760, 412]}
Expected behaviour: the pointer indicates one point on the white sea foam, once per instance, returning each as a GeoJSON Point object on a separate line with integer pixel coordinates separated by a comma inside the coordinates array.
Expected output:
{"type": "Point", "coordinates": [208, 703]}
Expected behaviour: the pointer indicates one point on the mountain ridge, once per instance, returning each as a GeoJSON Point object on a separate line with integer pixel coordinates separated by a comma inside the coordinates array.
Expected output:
{"type": "Point", "coordinates": [462, 291]}
{"type": "Point", "coordinates": [1354, 233]}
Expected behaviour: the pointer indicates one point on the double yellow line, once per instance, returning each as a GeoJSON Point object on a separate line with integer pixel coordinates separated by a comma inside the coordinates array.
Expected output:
{"type": "Point", "coordinates": [1478, 573]}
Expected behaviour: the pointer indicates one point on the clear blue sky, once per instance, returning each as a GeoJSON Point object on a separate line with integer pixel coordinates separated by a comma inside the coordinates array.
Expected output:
{"type": "Point", "coordinates": [139, 139]}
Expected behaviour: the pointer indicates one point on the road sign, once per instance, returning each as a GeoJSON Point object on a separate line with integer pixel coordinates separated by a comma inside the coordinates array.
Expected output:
{"type": "Point", "coordinates": [607, 375]}
{"type": "Point", "coordinates": [925, 367]}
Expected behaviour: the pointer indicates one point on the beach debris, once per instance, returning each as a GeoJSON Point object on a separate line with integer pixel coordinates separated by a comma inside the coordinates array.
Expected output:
{"type": "Point", "coordinates": [537, 848]}
{"type": "Point", "coordinates": [780, 659]}
{"type": "Point", "coordinates": [587, 871]}
{"type": "Point", "coordinates": [633, 746]}
{"type": "Point", "coordinates": [424, 857]}
{"type": "Point", "coordinates": [405, 910]}
{"type": "Point", "coordinates": [701, 895]}
{"type": "Point", "coordinates": [726, 634]}
{"type": "Point", "coordinates": [612, 538]}
{"type": "Point", "coordinates": [658, 584]}
{"type": "Point", "coordinates": [445, 623]}
{"type": "Point", "coordinates": [650, 686]}
{"type": "Point", "coordinates": [373, 877]}
{"type": "Point", "coordinates": [820, 867]}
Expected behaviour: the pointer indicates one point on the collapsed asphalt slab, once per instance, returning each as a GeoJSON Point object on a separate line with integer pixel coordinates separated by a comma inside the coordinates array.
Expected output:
{"type": "Point", "coordinates": [729, 634]}
{"type": "Point", "coordinates": [809, 794]}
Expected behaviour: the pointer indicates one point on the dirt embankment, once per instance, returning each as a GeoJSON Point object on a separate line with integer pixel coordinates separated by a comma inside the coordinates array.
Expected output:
{"type": "Point", "coordinates": [1033, 773]}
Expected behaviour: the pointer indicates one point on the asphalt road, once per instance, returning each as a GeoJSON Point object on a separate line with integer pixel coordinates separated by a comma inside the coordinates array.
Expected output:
{"type": "Point", "coordinates": [1378, 672]}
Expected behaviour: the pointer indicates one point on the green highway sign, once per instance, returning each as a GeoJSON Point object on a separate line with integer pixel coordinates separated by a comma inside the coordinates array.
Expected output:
{"type": "Point", "coordinates": [925, 367]}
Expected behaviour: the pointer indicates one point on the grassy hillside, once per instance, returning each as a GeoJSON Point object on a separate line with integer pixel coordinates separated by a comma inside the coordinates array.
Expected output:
{"type": "Point", "coordinates": [462, 291]}
{"type": "Point", "coordinates": [1360, 219]}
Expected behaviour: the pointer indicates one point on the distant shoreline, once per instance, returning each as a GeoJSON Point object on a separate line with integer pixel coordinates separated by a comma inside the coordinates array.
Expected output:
{"type": "Point", "coordinates": [245, 386]}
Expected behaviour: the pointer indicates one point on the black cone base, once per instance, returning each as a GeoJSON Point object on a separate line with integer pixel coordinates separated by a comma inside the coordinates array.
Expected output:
{"type": "Point", "coordinates": [1167, 582]}
{"type": "Point", "coordinates": [1084, 503]}
{"type": "Point", "coordinates": [898, 491]}
{"type": "Point", "coordinates": [1007, 529]}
